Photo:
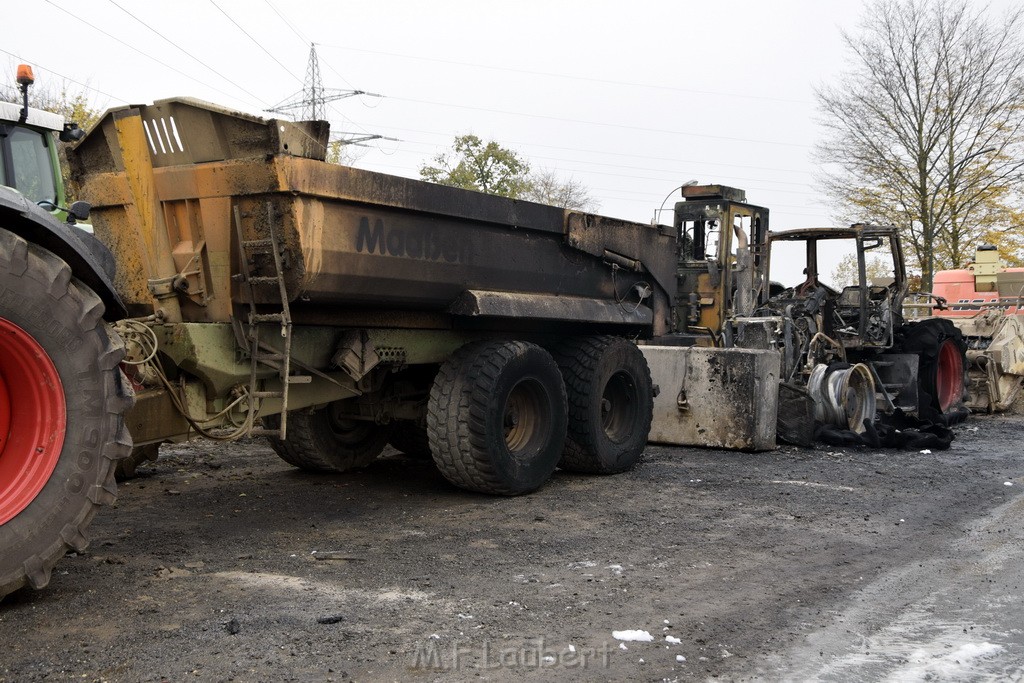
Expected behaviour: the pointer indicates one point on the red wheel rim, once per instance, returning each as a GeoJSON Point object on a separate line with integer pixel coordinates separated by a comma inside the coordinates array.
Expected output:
{"type": "Point", "coordinates": [32, 419]}
{"type": "Point", "coordinates": [949, 377]}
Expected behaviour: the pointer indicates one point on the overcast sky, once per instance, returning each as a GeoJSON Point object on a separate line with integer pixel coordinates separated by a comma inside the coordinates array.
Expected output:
{"type": "Point", "coordinates": [630, 98]}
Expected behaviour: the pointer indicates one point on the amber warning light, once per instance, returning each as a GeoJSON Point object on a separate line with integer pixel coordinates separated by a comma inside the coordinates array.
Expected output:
{"type": "Point", "coordinates": [25, 76]}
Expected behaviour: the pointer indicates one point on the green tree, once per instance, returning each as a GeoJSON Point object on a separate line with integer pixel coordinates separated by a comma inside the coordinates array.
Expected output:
{"type": "Point", "coordinates": [926, 128]}
{"type": "Point", "coordinates": [473, 164]}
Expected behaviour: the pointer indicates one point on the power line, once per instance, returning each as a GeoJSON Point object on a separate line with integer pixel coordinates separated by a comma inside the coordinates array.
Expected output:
{"type": "Point", "coordinates": [691, 170]}
{"type": "Point", "coordinates": [79, 19]}
{"type": "Point", "coordinates": [255, 42]}
{"type": "Point", "coordinates": [366, 135]}
{"type": "Point", "coordinates": [302, 38]}
{"type": "Point", "coordinates": [449, 135]}
{"type": "Point", "coordinates": [255, 97]}
{"type": "Point", "coordinates": [599, 123]}
{"type": "Point", "coordinates": [648, 202]}
{"type": "Point", "coordinates": [66, 78]}
{"type": "Point", "coordinates": [306, 41]}
{"type": "Point", "coordinates": [313, 98]}
{"type": "Point", "coordinates": [565, 76]}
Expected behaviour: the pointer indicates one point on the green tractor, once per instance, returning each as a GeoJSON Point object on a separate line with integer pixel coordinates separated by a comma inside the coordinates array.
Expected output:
{"type": "Point", "coordinates": [62, 394]}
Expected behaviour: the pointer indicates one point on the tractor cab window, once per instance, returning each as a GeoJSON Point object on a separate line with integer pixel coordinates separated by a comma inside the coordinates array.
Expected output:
{"type": "Point", "coordinates": [788, 263]}
{"type": "Point", "coordinates": [26, 164]}
{"type": "Point", "coordinates": [700, 239]}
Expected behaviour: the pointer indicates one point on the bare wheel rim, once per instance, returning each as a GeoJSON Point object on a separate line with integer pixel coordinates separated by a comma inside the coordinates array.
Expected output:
{"type": "Point", "coordinates": [522, 417]}
{"type": "Point", "coordinates": [619, 407]}
{"type": "Point", "coordinates": [32, 419]}
{"type": "Point", "coordinates": [949, 376]}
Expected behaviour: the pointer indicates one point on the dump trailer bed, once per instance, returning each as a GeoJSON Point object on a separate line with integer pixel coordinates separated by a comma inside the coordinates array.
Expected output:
{"type": "Point", "coordinates": [353, 242]}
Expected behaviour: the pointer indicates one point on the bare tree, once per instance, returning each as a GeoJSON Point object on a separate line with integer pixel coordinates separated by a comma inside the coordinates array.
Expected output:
{"type": "Point", "coordinates": [343, 153]}
{"type": "Point", "coordinates": [926, 128]}
{"type": "Point", "coordinates": [547, 187]}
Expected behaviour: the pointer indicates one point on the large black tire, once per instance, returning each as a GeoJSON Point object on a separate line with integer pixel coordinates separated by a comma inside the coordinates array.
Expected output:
{"type": "Point", "coordinates": [611, 403]}
{"type": "Point", "coordinates": [942, 379]}
{"type": "Point", "coordinates": [497, 417]}
{"type": "Point", "coordinates": [410, 438]}
{"type": "Point", "coordinates": [327, 441]}
{"type": "Point", "coordinates": [62, 402]}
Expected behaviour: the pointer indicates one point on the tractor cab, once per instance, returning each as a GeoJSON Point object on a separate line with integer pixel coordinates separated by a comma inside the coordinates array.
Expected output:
{"type": "Point", "coordinates": [28, 151]}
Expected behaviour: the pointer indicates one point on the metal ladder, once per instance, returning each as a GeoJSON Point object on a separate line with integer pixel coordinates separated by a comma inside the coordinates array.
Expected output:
{"type": "Point", "coordinates": [261, 353]}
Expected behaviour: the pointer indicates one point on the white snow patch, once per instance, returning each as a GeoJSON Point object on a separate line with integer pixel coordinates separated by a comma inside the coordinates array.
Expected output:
{"type": "Point", "coordinates": [926, 452]}
{"type": "Point", "coordinates": [673, 640]}
{"type": "Point", "coordinates": [925, 665]}
{"type": "Point", "coordinates": [634, 635]}
{"type": "Point", "coordinates": [582, 564]}
{"type": "Point", "coordinates": [572, 648]}
{"type": "Point", "coordinates": [680, 658]}
{"type": "Point", "coordinates": [622, 646]}
{"type": "Point", "coordinates": [812, 484]}
{"type": "Point", "coordinates": [616, 569]}
{"type": "Point", "coordinates": [1007, 483]}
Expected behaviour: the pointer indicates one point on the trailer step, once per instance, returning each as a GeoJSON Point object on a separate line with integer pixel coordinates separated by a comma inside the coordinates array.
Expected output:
{"type": "Point", "coordinates": [255, 318]}
{"type": "Point", "coordinates": [262, 353]}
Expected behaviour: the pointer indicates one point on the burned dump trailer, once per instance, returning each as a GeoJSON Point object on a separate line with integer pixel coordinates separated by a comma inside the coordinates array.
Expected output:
{"type": "Point", "coordinates": [344, 309]}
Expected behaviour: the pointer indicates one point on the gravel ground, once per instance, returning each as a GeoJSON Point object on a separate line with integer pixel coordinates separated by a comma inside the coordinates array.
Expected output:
{"type": "Point", "coordinates": [221, 562]}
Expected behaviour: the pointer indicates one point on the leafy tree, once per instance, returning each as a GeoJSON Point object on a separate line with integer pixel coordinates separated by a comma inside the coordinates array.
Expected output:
{"type": "Point", "coordinates": [473, 164]}
{"type": "Point", "coordinates": [926, 128]}
{"type": "Point", "coordinates": [547, 188]}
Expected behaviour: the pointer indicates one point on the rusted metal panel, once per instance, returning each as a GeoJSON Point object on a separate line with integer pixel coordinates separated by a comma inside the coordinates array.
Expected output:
{"type": "Point", "coordinates": [351, 239]}
{"type": "Point", "coordinates": [187, 131]}
{"type": "Point", "coordinates": [653, 248]}
{"type": "Point", "coordinates": [714, 397]}
{"type": "Point", "coordinates": [153, 418]}
{"type": "Point", "coordinates": [547, 307]}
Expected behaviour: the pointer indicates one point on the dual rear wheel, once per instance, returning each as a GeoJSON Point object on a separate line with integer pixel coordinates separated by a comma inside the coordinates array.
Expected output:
{"type": "Point", "coordinates": [503, 414]}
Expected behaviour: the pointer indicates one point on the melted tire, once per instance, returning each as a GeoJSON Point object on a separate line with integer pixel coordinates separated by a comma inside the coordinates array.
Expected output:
{"type": "Point", "coordinates": [322, 441]}
{"type": "Point", "coordinates": [65, 318]}
{"type": "Point", "coordinates": [497, 418]}
{"type": "Point", "coordinates": [611, 403]}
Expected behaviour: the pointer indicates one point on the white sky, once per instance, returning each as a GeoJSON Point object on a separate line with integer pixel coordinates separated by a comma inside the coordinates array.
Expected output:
{"type": "Point", "coordinates": [630, 98]}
